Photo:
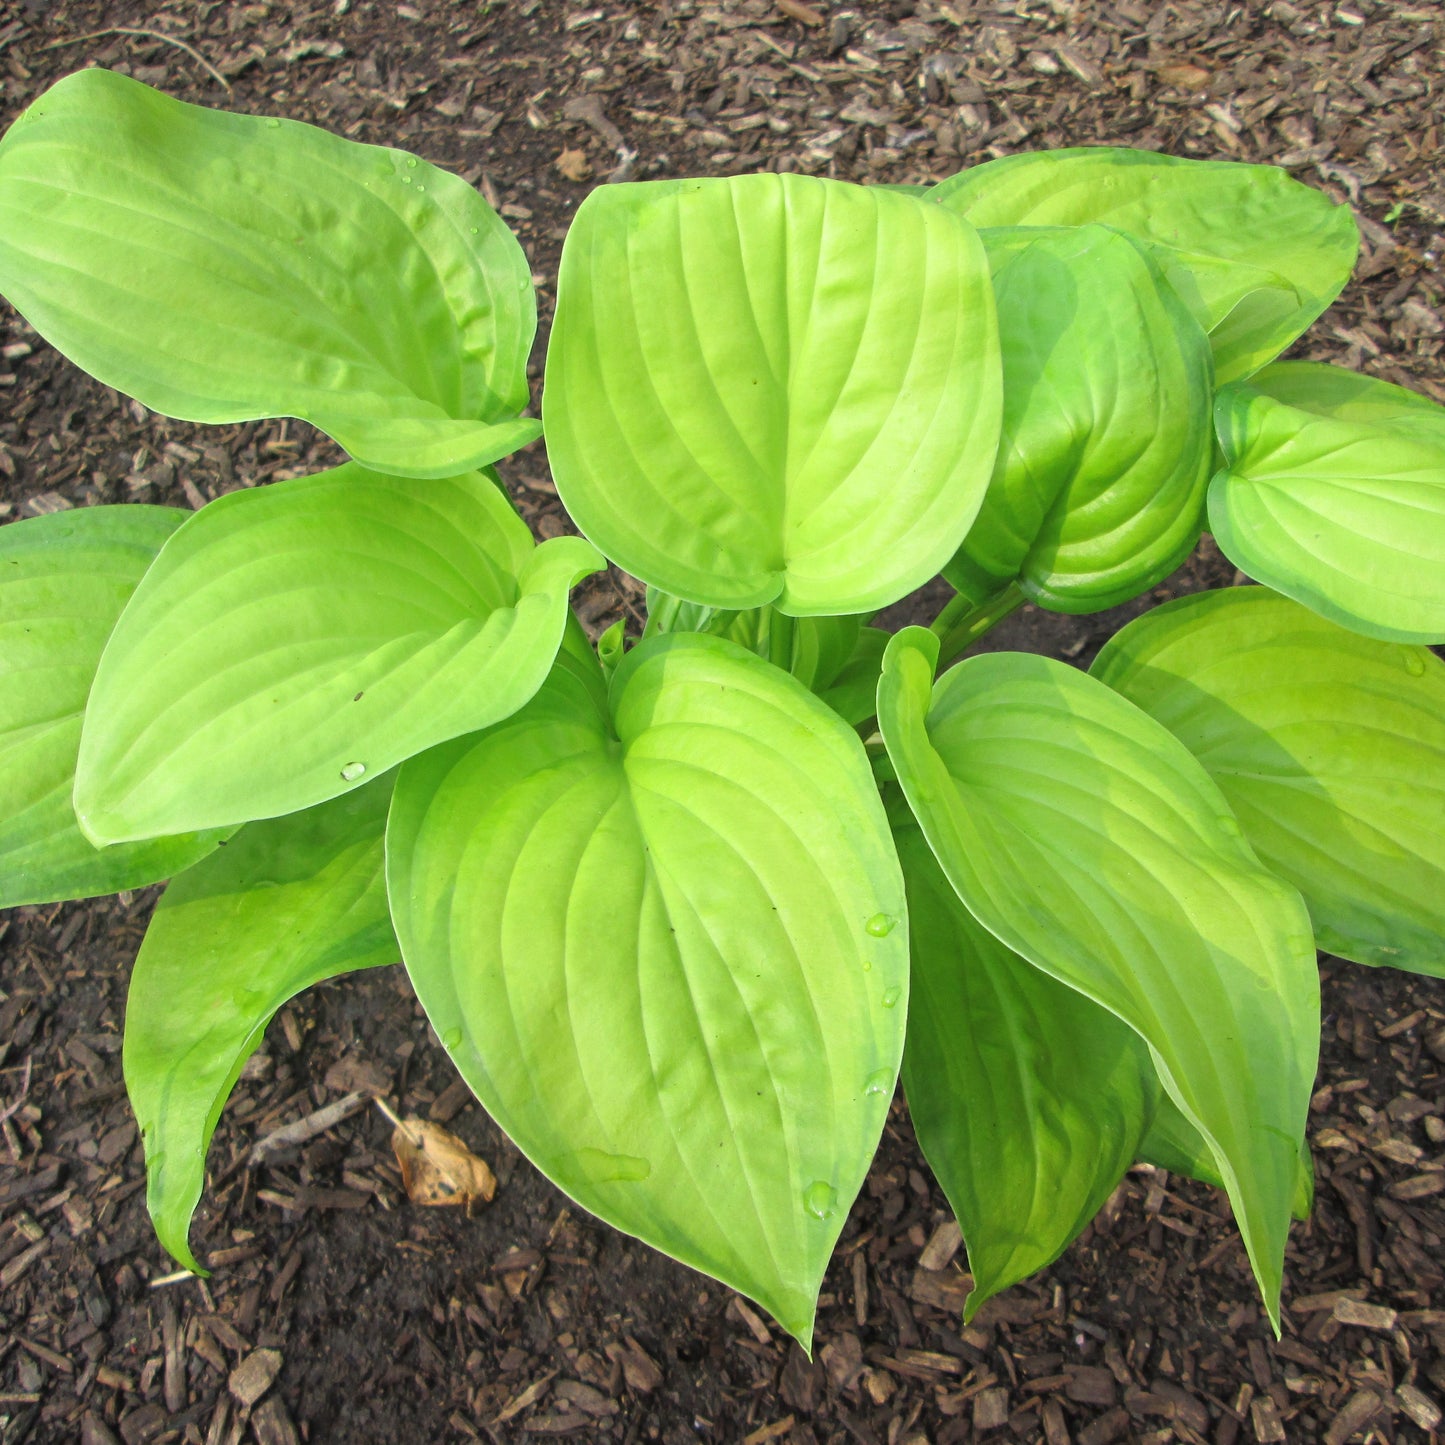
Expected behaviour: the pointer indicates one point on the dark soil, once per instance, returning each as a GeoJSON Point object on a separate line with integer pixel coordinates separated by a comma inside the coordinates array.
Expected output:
{"type": "Point", "coordinates": [391, 1323]}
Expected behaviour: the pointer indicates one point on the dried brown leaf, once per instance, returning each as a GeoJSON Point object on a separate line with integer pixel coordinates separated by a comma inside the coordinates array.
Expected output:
{"type": "Point", "coordinates": [573, 165]}
{"type": "Point", "coordinates": [437, 1168]}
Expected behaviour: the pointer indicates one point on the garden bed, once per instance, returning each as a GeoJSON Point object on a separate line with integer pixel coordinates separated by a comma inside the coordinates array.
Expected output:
{"type": "Point", "coordinates": [338, 1312]}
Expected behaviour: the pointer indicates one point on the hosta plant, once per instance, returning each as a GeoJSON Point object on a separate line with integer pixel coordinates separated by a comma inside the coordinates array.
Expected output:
{"type": "Point", "coordinates": [680, 907]}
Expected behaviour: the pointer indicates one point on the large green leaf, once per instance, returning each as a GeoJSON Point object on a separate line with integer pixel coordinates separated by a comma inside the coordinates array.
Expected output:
{"type": "Point", "coordinates": [285, 904]}
{"type": "Point", "coordinates": [293, 641]}
{"type": "Point", "coordinates": [668, 951]}
{"type": "Point", "coordinates": [1254, 254]}
{"type": "Point", "coordinates": [1083, 835]}
{"type": "Point", "coordinates": [1333, 492]}
{"type": "Point", "coordinates": [223, 267]}
{"type": "Point", "coordinates": [1173, 1143]}
{"type": "Point", "coordinates": [64, 579]}
{"type": "Point", "coordinates": [1098, 488]}
{"type": "Point", "coordinates": [773, 388]}
{"type": "Point", "coordinates": [1029, 1100]}
{"type": "Point", "coordinates": [1329, 746]}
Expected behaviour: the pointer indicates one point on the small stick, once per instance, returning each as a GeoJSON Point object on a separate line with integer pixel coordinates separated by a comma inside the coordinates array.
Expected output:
{"type": "Point", "coordinates": [145, 35]}
{"type": "Point", "coordinates": [24, 1093]}
{"type": "Point", "coordinates": [396, 1123]}
{"type": "Point", "coordinates": [303, 1129]}
{"type": "Point", "coordinates": [176, 1278]}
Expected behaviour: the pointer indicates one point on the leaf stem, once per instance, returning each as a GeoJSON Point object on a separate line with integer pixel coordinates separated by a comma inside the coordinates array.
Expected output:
{"type": "Point", "coordinates": [780, 639]}
{"type": "Point", "coordinates": [966, 619]}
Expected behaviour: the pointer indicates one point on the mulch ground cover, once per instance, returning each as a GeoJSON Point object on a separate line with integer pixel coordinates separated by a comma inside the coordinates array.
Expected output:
{"type": "Point", "coordinates": [338, 1312]}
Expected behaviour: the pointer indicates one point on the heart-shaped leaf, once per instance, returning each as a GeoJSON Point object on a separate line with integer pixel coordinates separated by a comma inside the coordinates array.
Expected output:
{"type": "Point", "coordinates": [285, 904]}
{"type": "Point", "coordinates": [1098, 487]}
{"type": "Point", "coordinates": [1029, 1100]}
{"type": "Point", "coordinates": [223, 267]}
{"type": "Point", "coordinates": [1329, 746]}
{"type": "Point", "coordinates": [1333, 492]}
{"type": "Point", "coordinates": [772, 388]}
{"type": "Point", "coordinates": [64, 579]}
{"type": "Point", "coordinates": [1083, 835]}
{"type": "Point", "coordinates": [1255, 255]}
{"type": "Point", "coordinates": [666, 950]}
{"type": "Point", "coordinates": [294, 641]}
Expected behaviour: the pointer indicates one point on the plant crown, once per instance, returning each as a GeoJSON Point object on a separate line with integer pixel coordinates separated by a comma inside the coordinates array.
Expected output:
{"type": "Point", "coordinates": [681, 908]}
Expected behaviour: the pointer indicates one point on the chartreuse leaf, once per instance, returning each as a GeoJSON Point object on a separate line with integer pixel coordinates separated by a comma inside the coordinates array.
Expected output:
{"type": "Point", "coordinates": [772, 388]}
{"type": "Point", "coordinates": [1029, 1100]}
{"type": "Point", "coordinates": [1173, 1143]}
{"type": "Point", "coordinates": [285, 904]}
{"type": "Point", "coordinates": [1255, 255]}
{"type": "Point", "coordinates": [1085, 837]}
{"type": "Point", "coordinates": [64, 579]}
{"type": "Point", "coordinates": [1329, 746]}
{"type": "Point", "coordinates": [1098, 487]}
{"type": "Point", "coordinates": [1351, 396]}
{"type": "Point", "coordinates": [817, 650]}
{"type": "Point", "coordinates": [853, 692]}
{"type": "Point", "coordinates": [1334, 493]}
{"type": "Point", "coordinates": [294, 641]}
{"type": "Point", "coordinates": [668, 951]}
{"type": "Point", "coordinates": [224, 267]}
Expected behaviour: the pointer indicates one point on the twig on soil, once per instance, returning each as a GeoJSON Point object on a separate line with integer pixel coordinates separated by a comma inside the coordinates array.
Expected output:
{"type": "Point", "coordinates": [289, 1135]}
{"type": "Point", "coordinates": [397, 1123]}
{"type": "Point", "coordinates": [145, 35]}
{"type": "Point", "coordinates": [178, 1277]}
{"type": "Point", "coordinates": [20, 1098]}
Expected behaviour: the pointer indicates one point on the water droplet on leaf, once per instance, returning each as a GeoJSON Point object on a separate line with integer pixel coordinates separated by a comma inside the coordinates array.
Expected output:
{"type": "Point", "coordinates": [867, 965]}
{"type": "Point", "coordinates": [452, 1038]}
{"type": "Point", "coordinates": [604, 1168]}
{"type": "Point", "coordinates": [1228, 823]}
{"type": "Point", "coordinates": [352, 771]}
{"type": "Point", "coordinates": [880, 925]}
{"type": "Point", "coordinates": [1414, 663]}
{"type": "Point", "coordinates": [273, 123]}
{"type": "Point", "coordinates": [472, 229]}
{"type": "Point", "coordinates": [891, 996]}
{"type": "Point", "coordinates": [820, 1199]}
{"type": "Point", "coordinates": [411, 162]}
{"type": "Point", "coordinates": [878, 1083]}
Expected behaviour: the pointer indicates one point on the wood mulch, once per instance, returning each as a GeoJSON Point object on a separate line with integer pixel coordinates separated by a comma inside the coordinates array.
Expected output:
{"type": "Point", "coordinates": [336, 1311]}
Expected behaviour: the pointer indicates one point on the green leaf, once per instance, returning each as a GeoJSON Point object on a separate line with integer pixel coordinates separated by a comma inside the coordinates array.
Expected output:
{"type": "Point", "coordinates": [1350, 396]}
{"type": "Point", "coordinates": [818, 648]}
{"type": "Point", "coordinates": [1173, 1143]}
{"type": "Point", "coordinates": [772, 388]}
{"type": "Point", "coordinates": [853, 693]}
{"type": "Point", "coordinates": [1336, 497]}
{"type": "Point", "coordinates": [1329, 746]}
{"type": "Point", "coordinates": [223, 267]}
{"type": "Point", "coordinates": [293, 641]}
{"type": "Point", "coordinates": [64, 579]}
{"type": "Point", "coordinates": [1255, 255]}
{"type": "Point", "coordinates": [1085, 837]}
{"type": "Point", "coordinates": [285, 904]}
{"type": "Point", "coordinates": [1030, 1101]}
{"type": "Point", "coordinates": [666, 950]}
{"type": "Point", "coordinates": [1098, 487]}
